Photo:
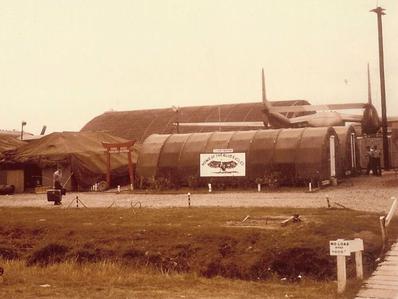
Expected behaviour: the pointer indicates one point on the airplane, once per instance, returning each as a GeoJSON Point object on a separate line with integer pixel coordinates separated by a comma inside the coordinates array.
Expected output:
{"type": "Point", "coordinates": [316, 116]}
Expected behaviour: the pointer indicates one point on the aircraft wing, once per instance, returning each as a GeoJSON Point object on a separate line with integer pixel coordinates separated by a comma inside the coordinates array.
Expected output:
{"type": "Point", "coordinates": [344, 117]}
{"type": "Point", "coordinates": [254, 124]}
{"type": "Point", "coordinates": [304, 108]}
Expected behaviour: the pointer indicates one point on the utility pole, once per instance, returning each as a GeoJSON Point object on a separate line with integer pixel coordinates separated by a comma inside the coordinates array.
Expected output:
{"type": "Point", "coordinates": [380, 12]}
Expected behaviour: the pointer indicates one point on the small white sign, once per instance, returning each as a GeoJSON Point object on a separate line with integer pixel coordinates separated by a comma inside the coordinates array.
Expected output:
{"type": "Point", "coordinates": [222, 164]}
{"type": "Point", "coordinates": [340, 247]}
{"type": "Point", "coordinates": [356, 245]}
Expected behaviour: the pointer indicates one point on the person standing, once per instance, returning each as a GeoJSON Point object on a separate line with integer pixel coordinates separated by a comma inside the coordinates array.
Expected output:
{"type": "Point", "coordinates": [57, 176]}
{"type": "Point", "coordinates": [369, 155]}
{"type": "Point", "coordinates": [377, 161]}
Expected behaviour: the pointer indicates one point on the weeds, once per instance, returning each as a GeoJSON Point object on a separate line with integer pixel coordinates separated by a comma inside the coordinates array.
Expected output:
{"type": "Point", "coordinates": [197, 240]}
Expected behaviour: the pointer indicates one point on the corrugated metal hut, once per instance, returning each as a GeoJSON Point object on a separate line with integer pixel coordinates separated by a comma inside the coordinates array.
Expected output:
{"type": "Point", "coordinates": [292, 155]}
{"type": "Point", "coordinates": [139, 124]}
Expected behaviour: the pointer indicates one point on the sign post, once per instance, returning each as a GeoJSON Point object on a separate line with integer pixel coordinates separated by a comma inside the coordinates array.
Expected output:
{"type": "Point", "coordinates": [342, 248]}
{"type": "Point", "coordinates": [356, 246]}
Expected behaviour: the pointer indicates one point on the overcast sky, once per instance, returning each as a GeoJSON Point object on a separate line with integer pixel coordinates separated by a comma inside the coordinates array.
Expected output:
{"type": "Point", "coordinates": [64, 62]}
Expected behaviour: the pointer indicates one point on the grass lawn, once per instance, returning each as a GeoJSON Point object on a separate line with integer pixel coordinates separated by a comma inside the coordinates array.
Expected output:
{"type": "Point", "coordinates": [179, 252]}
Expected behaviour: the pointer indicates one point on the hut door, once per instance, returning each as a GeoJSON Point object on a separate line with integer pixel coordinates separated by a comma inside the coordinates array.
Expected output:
{"type": "Point", "coordinates": [332, 156]}
{"type": "Point", "coordinates": [353, 150]}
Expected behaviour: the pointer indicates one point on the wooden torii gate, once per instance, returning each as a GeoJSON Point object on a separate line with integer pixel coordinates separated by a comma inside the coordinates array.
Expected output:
{"type": "Point", "coordinates": [117, 148]}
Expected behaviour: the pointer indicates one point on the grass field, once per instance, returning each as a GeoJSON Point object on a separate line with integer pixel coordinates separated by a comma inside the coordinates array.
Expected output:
{"type": "Point", "coordinates": [178, 253]}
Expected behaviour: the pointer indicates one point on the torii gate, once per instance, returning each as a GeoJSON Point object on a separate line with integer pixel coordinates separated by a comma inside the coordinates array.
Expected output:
{"type": "Point", "coordinates": [116, 148]}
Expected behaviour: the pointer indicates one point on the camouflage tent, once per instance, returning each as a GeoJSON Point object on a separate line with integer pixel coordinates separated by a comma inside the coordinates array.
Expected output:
{"type": "Point", "coordinates": [81, 153]}
{"type": "Point", "coordinates": [8, 142]}
{"type": "Point", "coordinates": [293, 155]}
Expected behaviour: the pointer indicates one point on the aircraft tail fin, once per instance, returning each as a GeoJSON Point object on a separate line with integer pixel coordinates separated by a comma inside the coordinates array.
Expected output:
{"type": "Point", "coordinates": [271, 118]}
{"type": "Point", "coordinates": [267, 104]}
{"type": "Point", "coordinates": [369, 88]}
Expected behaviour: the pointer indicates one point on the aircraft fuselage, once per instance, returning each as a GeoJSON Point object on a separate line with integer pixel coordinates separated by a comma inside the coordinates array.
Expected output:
{"type": "Point", "coordinates": [325, 119]}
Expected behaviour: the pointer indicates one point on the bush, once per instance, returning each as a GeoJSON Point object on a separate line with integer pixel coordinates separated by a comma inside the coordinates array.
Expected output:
{"type": "Point", "coordinates": [50, 254]}
{"type": "Point", "coordinates": [8, 253]}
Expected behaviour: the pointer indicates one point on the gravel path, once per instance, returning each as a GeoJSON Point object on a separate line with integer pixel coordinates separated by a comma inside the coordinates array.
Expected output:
{"type": "Point", "coordinates": [367, 193]}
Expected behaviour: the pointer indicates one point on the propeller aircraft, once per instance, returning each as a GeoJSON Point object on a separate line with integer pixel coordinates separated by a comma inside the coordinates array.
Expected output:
{"type": "Point", "coordinates": [316, 116]}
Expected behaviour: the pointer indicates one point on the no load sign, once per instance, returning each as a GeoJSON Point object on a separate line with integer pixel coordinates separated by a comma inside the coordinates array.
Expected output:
{"type": "Point", "coordinates": [340, 247]}
{"type": "Point", "coordinates": [345, 247]}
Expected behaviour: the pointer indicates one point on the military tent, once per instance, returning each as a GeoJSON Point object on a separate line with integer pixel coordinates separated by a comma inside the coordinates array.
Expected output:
{"type": "Point", "coordinates": [9, 142]}
{"type": "Point", "coordinates": [80, 153]}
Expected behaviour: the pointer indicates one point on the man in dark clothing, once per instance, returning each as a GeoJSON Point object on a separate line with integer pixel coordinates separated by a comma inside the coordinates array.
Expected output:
{"type": "Point", "coordinates": [369, 155]}
{"type": "Point", "coordinates": [377, 161]}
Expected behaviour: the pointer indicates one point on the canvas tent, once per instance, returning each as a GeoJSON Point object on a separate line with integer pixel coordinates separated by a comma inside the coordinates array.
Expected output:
{"type": "Point", "coordinates": [295, 154]}
{"type": "Point", "coordinates": [9, 142]}
{"type": "Point", "coordinates": [80, 153]}
{"type": "Point", "coordinates": [10, 177]}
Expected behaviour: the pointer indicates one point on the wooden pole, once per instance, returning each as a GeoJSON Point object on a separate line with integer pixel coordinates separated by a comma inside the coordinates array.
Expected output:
{"type": "Point", "coordinates": [392, 211]}
{"type": "Point", "coordinates": [358, 264]}
{"type": "Point", "coordinates": [386, 156]}
{"type": "Point", "coordinates": [130, 170]}
{"type": "Point", "coordinates": [341, 274]}
{"type": "Point", "coordinates": [382, 220]}
{"type": "Point", "coordinates": [108, 172]}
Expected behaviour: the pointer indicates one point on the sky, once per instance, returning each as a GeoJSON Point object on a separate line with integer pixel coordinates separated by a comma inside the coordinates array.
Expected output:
{"type": "Point", "coordinates": [63, 62]}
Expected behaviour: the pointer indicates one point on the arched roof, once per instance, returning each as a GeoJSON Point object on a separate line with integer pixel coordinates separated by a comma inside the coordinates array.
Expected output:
{"type": "Point", "coordinates": [300, 153]}
{"type": "Point", "coordinates": [139, 124]}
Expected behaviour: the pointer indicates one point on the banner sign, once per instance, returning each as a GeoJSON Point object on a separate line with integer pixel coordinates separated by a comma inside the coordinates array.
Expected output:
{"type": "Point", "coordinates": [222, 164]}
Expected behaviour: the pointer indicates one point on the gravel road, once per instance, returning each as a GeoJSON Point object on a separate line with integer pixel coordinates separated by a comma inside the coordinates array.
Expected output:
{"type": "Point", "coordinates": [367, 193]}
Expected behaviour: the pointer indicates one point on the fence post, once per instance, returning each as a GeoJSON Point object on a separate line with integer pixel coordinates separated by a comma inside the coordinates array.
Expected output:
{"type": "Point", "coordinates": [391, 213]}
{"type": "Point", "coordinates": [382, 221]}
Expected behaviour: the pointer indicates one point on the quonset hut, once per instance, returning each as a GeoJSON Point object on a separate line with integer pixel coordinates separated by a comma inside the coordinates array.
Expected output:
{"type": "Point", "coordinates": [139, 124]}
{"type": "Point", "coordinates": [289, 156]}
{"type": "Point", "coordinates": [349, 150]}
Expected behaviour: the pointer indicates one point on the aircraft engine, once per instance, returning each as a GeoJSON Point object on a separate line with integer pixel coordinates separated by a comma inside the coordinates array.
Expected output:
{"type": "Point", "coordinates": [370, 122]}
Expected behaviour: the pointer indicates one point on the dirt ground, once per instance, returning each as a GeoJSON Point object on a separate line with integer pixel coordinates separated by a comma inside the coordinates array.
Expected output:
{"type": "Point", "coordinates": [366, 193]}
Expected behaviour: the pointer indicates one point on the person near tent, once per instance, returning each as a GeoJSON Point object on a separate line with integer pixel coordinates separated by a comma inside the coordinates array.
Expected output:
{"type": "Point", "coordinates": [57, 177]}
{"type": "Point", "coordinates": [369, 155]}
{"type": "Point", "coordinates": [377, 161]}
